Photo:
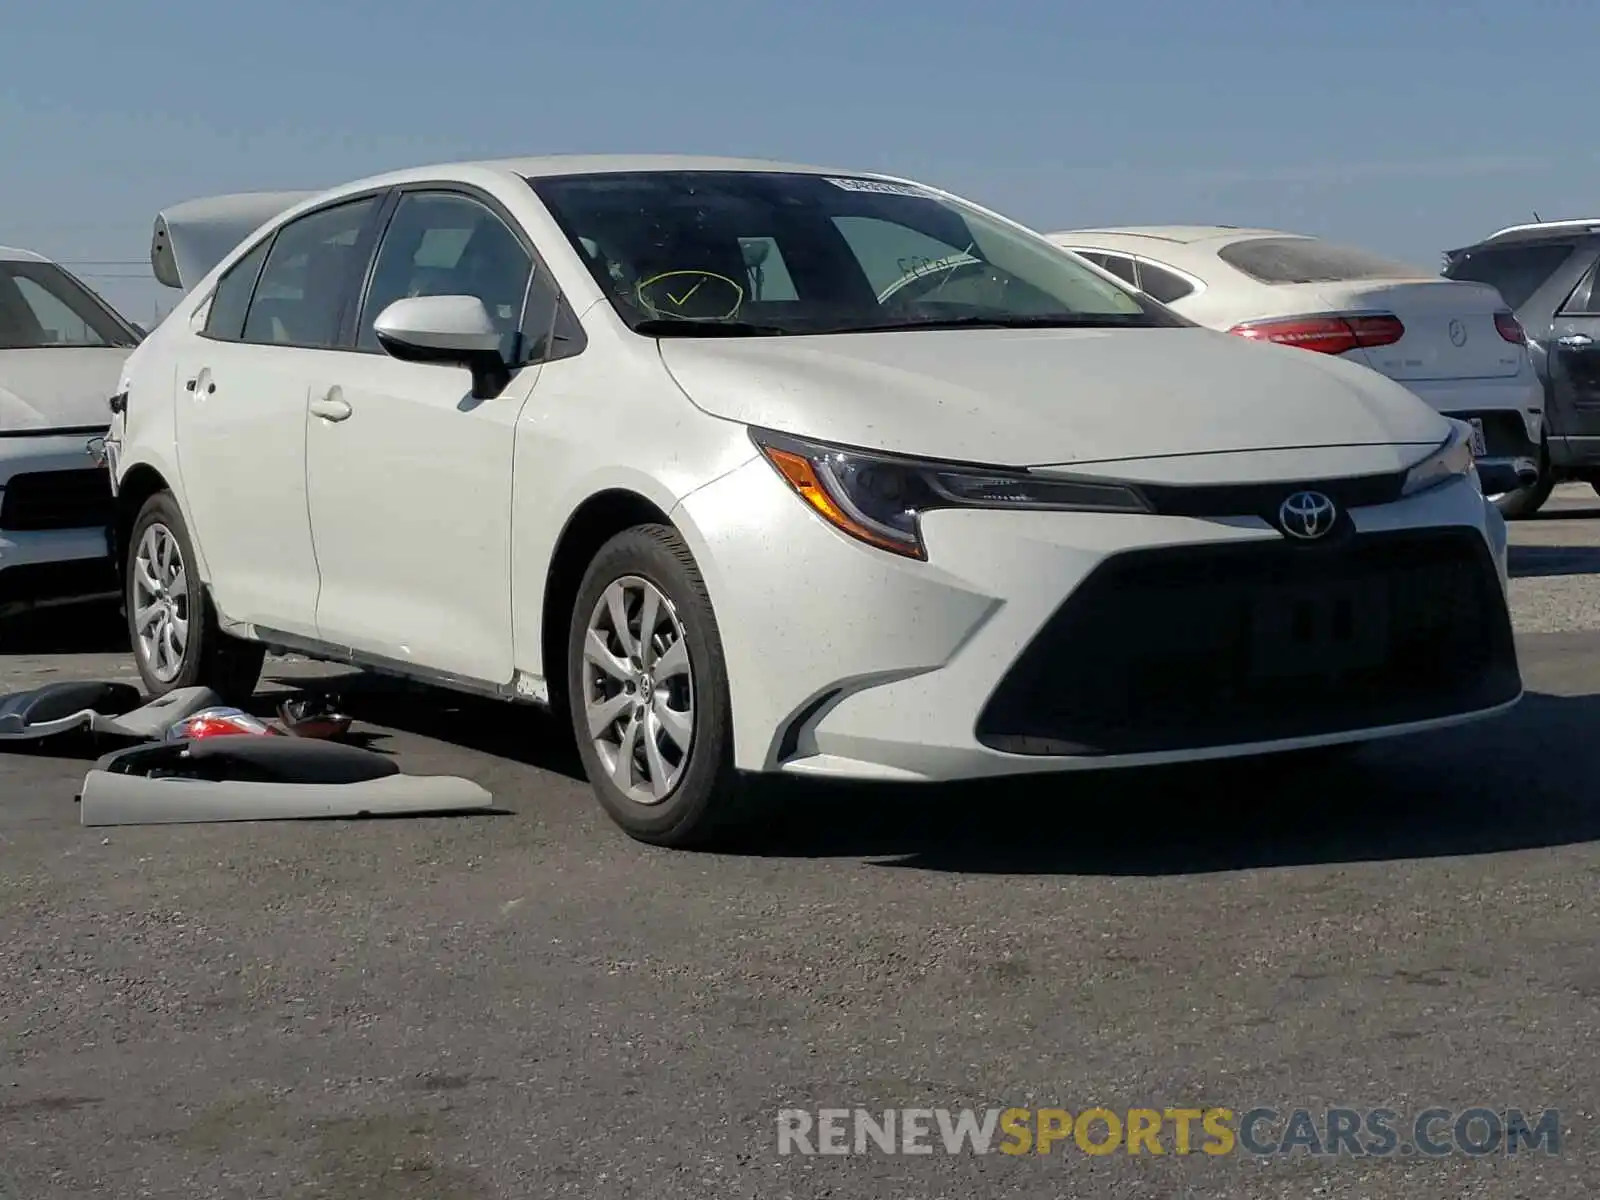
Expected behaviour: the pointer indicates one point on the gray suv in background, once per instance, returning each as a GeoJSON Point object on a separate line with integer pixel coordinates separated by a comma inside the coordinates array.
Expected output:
{"type": "Point", "coordinates": [1546, 273]}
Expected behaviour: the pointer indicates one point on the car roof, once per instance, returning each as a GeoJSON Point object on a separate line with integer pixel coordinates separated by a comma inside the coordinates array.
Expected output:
{"type": "Point", "coordinates": [597, 164]}
{"type": "Point", "coordinates": [1181, 234]}
{"type": "Point", "coordinates": [1535, 231]}
{"type": "Point", "coordinates": [15, 254]}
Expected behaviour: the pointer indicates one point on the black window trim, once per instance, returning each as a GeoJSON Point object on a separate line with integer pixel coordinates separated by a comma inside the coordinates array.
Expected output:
{"type": "Point", "coordinates": [558, 346]}
{"type": "Point", "coordinates": [363, 240]}
{"type": "Point", "coordinates": [1586, 284]}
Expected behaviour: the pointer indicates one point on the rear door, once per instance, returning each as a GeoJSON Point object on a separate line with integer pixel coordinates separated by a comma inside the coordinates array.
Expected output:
{"type": "Point", "coordinates": [242, 384]}
{"type": "Point", "coordinates": [1573, 364]}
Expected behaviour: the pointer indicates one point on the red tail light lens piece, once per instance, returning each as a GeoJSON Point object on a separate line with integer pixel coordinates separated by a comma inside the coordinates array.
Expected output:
{"type": "Point", "coordinates": [1510, 328]}
{"type": "Point", "coordinates": [1327, 335]}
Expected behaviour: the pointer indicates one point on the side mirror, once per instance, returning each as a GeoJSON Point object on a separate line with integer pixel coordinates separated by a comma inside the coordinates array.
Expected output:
{"type": "Point", "coordinates": [454, 330]}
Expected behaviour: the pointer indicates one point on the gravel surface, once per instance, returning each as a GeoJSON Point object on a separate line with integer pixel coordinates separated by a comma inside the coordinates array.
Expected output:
{"type": "Point", "coordinates": [529, 1004]}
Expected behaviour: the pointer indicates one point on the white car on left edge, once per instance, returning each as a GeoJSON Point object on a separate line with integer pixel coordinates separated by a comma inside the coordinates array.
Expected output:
{"type": "Point", "coordinates": [1456, 345]}
{"type": "Point", "coordinates": [656, 442]}
{"type": "Point", "coordinates": [62, 350]}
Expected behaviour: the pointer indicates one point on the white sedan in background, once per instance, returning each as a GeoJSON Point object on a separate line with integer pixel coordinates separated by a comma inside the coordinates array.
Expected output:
{"type": "Point", "coordinates": [1456, 345]}
{"type": "Point", "coordinates": [656, 442]}
{"type": "Point", "coordinates": [61, 351]}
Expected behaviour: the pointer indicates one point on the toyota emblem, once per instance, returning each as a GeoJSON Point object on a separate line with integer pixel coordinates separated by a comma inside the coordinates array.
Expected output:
{"type": "Point", "coordinates": [1458, 333]}
{"type": "Point", "coordinates": [1307, 516]}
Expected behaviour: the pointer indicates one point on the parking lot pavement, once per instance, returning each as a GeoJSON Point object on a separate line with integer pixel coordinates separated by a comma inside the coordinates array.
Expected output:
{"type": "Point", "coordinates": [1555, 564]}
{"type": "Point", "coordinates": [530, 1004]}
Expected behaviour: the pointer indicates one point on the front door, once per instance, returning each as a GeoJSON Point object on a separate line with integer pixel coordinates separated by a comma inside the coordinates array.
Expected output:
{"type": "Point", "coordinates": [409, 477]}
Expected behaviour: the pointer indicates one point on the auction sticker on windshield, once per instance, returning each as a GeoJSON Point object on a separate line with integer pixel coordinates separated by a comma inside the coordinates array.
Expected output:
{"type": "Point", "coordinates": [881, 186]}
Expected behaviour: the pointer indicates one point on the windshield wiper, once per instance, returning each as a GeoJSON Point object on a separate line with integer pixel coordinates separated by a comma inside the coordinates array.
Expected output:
{"type": "Point", "coordinates": [671, 328]}
{"type": "Point", "coordinates": [1055, 321]}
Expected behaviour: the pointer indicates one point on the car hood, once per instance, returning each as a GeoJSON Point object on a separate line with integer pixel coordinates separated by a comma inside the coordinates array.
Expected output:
{"type": "Point", "coordinates": [1046, 397]}
{"type": "Point", "coordinates": [58, 388]}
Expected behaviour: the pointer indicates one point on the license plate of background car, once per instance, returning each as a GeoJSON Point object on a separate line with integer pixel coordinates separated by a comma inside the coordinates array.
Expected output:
{"type": "Point", "coordinates": [1480, 448]}
{"type": "Point", "coordinates": [1319, 631]}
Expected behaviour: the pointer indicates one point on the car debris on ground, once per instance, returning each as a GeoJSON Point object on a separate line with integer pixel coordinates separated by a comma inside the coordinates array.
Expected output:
{"type": "Point", "coordinates": [198, 760]}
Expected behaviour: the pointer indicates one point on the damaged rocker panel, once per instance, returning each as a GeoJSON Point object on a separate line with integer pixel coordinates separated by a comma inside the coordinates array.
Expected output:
{"type": "Point", "coordinates": [523, 688]}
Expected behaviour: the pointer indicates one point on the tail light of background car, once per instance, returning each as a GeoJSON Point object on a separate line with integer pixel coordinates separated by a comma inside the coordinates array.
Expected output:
{"type": "Point", "coordinates": [1334, 334]}
{"type": "Point", "coordinates": [1510, 328]}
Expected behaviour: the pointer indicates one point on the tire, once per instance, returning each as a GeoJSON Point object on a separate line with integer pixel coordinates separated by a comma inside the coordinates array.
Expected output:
{"type": "Point", "coordinates": [684, 796]}
{"type": "Point", "coordinates": [159, 548]}
{"type": "Point", "coordinates": [1524, 502]}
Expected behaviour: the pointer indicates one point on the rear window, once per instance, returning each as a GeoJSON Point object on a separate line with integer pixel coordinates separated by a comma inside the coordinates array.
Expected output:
{"type": "Point", "coordinates": [1516, 271]}
{"type": "Point", "coordinates": [1310, 260]}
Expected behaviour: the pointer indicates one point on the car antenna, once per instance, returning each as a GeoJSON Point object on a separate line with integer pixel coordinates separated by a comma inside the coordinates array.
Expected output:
{"type": "Point", "coordinates": [1537, 219]}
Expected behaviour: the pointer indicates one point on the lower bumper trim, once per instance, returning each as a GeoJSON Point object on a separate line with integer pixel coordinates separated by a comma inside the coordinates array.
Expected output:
{"type": "Point", "coordinates": [43, 585]}
{"type": "Point", "coordinates": [1183, 649]}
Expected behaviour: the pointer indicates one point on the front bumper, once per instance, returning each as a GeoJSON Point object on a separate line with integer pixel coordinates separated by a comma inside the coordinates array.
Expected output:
{"type": "Point", "coordinates": [55, 514]}
{"type": "Point", "coordinates": [1036, 641]}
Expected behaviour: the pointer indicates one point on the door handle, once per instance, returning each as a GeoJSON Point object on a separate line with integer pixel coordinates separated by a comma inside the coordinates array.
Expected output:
{"type": "Point", "coordinates": [192, 384]}
{"type": "Point", "coordinates": [332, 407]}
{"type": "Point", "coordinates": [1575, 341]}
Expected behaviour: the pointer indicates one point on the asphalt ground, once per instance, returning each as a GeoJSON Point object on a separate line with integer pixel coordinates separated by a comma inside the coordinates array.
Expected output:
{"type": "Point", "coordinates": [530, 1004]}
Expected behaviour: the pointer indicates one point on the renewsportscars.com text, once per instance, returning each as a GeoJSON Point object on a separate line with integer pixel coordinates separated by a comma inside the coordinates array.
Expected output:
{"type": "Point", "coordinates": [1360, 1133]}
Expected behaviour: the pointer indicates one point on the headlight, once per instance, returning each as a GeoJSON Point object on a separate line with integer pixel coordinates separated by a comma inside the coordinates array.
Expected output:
{"type": "Point", "coordinates": [1450, 461]}
{"type": "Point", "coordinates": [879, 498]}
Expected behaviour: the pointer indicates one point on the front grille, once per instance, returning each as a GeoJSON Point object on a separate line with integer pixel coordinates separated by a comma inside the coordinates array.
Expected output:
{"type": "Point", "coordinates": [1177, 649]}
{"type": "Point", "coordinates": [1263, 499]}
{"type": "Point", "coordinates": [56, 500]}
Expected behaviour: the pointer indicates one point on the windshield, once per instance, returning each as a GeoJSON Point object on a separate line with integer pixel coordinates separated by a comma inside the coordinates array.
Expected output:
{"type": "Point", "coordinates": [720, 253]}
{"type": "Point", "coordinates": [42, 307]}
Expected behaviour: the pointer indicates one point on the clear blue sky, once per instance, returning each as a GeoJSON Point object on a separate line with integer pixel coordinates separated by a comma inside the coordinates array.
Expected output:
{"type": "Point", "coordinates": [1406, 126]}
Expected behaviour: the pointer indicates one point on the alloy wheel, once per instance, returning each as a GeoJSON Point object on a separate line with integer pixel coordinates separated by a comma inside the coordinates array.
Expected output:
{"type": "Point", "coordinates": [160, 602]}
{"type": "Point", "coordinates": [638, 689]}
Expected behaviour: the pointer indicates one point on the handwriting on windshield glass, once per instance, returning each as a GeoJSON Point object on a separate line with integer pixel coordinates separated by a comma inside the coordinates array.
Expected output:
{"type": "Point", "coordinates": [919, 265]}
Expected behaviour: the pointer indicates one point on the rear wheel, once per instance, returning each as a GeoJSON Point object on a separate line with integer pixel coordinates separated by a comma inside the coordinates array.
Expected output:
{"type": "Point", "coordinates": [648, 691]}
{"type": "Point", "coordinates": [1524, 502]}
{"type": "Point", "coordinates": [173, 631]}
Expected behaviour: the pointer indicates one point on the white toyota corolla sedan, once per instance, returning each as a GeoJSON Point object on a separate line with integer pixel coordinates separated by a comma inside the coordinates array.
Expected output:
{"type": "Point", "coordinates": [667, 444]}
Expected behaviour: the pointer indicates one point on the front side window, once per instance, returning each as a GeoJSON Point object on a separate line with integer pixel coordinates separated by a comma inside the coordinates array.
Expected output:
{"type": "Point", "coordinates": [1517, 272]}
{"type": "Point", "coordinates": [299, 297]}
{"type": "Point", "coordinates": [43, 307]}
{"type": "Point", "coordinates": [685, 253]}
{"type": "Point", "coordinates": [442, 244]}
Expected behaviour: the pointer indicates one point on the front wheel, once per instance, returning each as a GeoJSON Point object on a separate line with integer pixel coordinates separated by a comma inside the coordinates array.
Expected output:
{"type": "Point", "coordinates": [174, 634]}
{"type": "Point", "coordinates": [648, 691]}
